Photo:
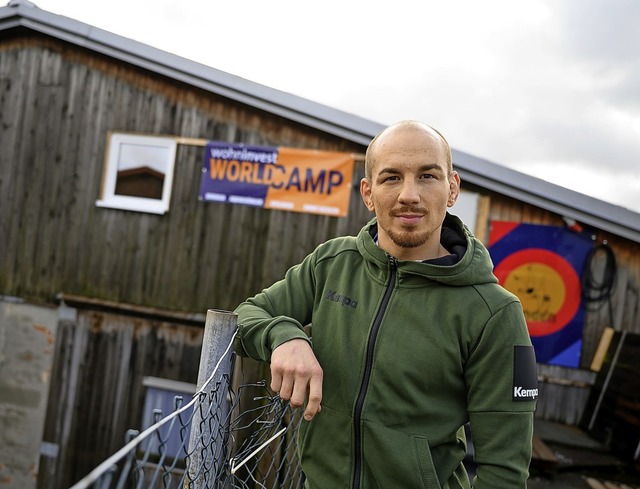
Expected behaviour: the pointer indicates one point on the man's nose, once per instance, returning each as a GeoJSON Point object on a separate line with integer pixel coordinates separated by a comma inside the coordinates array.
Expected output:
{"type": "Point", "coordinates": [409, 192]}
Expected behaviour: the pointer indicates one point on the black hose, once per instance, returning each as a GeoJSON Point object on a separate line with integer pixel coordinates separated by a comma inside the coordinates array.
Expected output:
{"type": "Point", "coordinates": [596, 293]}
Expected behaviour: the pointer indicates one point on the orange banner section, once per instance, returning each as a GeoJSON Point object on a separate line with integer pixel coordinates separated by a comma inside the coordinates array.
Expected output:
{"type": "Point", "coordinates": [315, 182]}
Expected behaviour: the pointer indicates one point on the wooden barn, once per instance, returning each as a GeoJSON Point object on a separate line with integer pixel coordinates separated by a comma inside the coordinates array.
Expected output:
{"type": "Point", "coordinates": [106, 296]}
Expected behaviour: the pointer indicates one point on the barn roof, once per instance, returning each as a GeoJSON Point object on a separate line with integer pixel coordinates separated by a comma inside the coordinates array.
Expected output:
{"type": "Point", "coordinates": [22, 14]}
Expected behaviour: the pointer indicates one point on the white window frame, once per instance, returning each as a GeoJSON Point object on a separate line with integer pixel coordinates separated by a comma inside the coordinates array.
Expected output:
{"type": "Point", "coordinates": [164, 146]}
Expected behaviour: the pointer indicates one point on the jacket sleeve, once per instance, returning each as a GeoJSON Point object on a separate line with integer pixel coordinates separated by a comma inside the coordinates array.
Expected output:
{"type": "Point", "coordinates": [277, 314]}
{"type": "Point", "coordinates": [501, 422]}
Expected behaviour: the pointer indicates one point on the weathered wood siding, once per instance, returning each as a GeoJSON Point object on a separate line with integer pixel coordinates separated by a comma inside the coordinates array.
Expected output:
{"type": "Point", "coordinates": [97, 393]}
{"type": "Point", "coordinates": [58, 104]}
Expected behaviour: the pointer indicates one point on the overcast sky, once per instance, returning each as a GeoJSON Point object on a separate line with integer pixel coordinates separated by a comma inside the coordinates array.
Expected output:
{"type": "Point", "coordinates": [546, 87]}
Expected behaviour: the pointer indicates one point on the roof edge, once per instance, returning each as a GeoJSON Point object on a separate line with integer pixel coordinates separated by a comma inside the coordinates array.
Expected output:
{"type": "Point", "coordinates": [304, 111]}
{"type": "Point", "coordinates": [541, 193]}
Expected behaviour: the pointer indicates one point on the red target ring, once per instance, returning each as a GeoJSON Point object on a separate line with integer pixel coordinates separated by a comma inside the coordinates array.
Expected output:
{"type": "Point", "coordinates": [546, 284]}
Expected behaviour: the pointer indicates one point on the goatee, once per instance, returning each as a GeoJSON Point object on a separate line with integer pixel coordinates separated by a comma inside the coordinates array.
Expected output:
{"type": "Point", "coordinates": [408, 239]}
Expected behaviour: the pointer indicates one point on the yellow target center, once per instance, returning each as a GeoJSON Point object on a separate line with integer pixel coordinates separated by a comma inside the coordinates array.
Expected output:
{"type": "Point", "coordinates": [540, 289]}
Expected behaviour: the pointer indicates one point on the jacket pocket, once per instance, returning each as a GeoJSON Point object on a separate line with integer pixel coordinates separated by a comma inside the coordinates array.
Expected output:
{"type": "Point", "coordinates": [326, 449]}
{"type": "Point", "coordinates": [425, 462]}
{"type": "Point", "coordinates": [395, 459]}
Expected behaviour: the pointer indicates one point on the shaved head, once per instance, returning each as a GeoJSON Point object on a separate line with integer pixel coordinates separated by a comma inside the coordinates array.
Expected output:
{"type": "Point", "coordinates": [406, 127]}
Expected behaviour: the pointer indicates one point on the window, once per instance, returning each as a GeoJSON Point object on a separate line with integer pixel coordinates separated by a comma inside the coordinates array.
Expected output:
{"type": "Point", "coordinates": [466, 208]}
{"type": "Point", "coordinates": [160, 394]}
{"type": "Point", "coordinates": [138, 173]}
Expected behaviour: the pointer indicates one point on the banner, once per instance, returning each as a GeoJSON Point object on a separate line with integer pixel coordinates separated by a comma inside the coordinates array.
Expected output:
{"type": "Point", "coordinates": [298, 180]}
{"type": "Point", "coordinates": [542, 265]}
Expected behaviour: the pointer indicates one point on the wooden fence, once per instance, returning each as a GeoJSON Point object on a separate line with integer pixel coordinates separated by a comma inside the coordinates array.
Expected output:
{"type": "Point", "coordinates": [97, 392]}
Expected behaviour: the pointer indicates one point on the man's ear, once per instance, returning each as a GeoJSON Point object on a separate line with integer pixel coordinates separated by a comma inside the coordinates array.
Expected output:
{"type": "Point", "coordinates": [454, 188]}
{"type": "Point", "coordinates": [365, 192]}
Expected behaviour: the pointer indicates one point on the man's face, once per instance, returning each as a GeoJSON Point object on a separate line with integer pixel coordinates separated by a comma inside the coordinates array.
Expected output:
{"type": "Point", "coordinates": [409, 191]}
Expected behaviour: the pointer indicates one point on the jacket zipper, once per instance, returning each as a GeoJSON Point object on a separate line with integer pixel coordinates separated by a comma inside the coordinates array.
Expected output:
{"type": "Point", "coordinates": [371, 343]}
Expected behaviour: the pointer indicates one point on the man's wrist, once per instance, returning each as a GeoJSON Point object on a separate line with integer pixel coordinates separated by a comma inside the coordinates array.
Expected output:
{"type": "Point", "coordinates": [283, 332]}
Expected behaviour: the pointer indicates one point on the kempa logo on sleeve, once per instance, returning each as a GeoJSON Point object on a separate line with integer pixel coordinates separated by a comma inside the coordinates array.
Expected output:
{"type": "Point", "coordinates": [333, 295]}
{"type": "Point", "coordinates": [527, 394]}
{"type": "Point", "coordinates": [525, 374]}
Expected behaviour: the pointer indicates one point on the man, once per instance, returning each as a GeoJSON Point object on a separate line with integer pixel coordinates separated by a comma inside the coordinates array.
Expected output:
{"type": "Point", "coordinates": [412, 338]}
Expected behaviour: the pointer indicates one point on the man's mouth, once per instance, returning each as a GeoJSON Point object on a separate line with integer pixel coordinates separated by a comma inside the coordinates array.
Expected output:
{"type": "Point", "coordinates": [408, 218]}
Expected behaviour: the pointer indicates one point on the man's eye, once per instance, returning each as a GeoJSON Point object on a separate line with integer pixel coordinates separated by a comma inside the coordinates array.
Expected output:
{"type": "Point", "coordinates": [427, 176]}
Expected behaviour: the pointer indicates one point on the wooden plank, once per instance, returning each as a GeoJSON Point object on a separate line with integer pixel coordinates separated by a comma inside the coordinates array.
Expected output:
{"type": "Point", "coordinates": [601, 350]}
{"type": "Point", "coordinates": [612, 485]}
{"type": "Point", "coordinates": [192, 141]}
{"type": "Point", "coordinates": [482, 219]}
{"type": "Point", "coordinates": [594, 484]}
{"type": "Point", "coordinates": [541, 452]}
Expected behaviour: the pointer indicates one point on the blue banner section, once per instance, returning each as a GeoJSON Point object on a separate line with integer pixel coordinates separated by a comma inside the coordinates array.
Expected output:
{"type": "Point", "coordinates": [231, 173]}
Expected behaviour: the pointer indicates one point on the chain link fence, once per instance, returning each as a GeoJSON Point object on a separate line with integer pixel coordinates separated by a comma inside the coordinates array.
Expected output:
{"type": "Point", "coordinates": [222, 438]}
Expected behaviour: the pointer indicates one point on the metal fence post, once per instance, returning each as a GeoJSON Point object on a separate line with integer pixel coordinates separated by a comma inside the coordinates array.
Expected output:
{"type": "Point", "coordinates": [204, 446]}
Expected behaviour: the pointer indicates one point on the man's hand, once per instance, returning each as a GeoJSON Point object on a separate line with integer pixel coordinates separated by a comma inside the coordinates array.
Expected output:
{"type": "Point", "coordinates": [296, 373]}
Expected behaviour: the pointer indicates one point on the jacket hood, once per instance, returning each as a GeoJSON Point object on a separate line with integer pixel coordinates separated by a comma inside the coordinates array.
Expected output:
{"type": "Point", "coordinates": [469, 264]}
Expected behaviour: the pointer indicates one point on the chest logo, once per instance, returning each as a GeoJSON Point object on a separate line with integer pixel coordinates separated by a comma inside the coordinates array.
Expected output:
{"type": "Point", "coordinates": [334, 296]}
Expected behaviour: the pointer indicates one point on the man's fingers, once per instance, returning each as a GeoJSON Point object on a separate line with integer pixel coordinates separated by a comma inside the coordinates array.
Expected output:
{"type": "Point", "coordinates": [299, 392]}
{"type": "Point", "coordinates": [287, 387]}
{"type": "Point", "coordinates": [315, 395]}
{"type": "Point", "coordinates": [296, 373]}
{"type": "Point", "coordinates": [276, 380]}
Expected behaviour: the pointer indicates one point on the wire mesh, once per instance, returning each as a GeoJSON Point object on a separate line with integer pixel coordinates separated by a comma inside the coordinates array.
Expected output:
{"type": "Point", "coordinates": [243, 438]}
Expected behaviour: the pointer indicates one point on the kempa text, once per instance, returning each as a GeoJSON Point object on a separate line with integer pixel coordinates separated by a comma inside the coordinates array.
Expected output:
{"type": "Point", "coordinates": [528, 393]}
{"type": "Point", "coordinates": [344, 300]}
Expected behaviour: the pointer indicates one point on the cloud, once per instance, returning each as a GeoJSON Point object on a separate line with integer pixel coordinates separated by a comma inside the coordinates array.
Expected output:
{"type": "Point", "coordinates": [606, 32]}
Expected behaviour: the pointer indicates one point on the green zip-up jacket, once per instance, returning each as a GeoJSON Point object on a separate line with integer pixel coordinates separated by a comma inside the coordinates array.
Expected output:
{"type": "Point", "coordinates": [411, 352]}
